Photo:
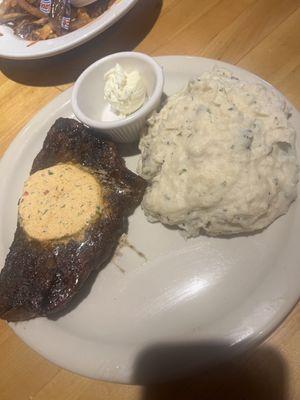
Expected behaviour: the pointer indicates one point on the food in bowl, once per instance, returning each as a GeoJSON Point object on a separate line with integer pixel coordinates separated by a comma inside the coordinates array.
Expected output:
{"type": "Point", "coordinates": [47, 19]}
{"type": "Point", "coordinates": [91, 108]}
{"type": "Point", "coordinates": [219, 157]}
{"type": "Point", "coordinates": [124, 90]}
{"type": "Point", "coordinates": [72, 213]}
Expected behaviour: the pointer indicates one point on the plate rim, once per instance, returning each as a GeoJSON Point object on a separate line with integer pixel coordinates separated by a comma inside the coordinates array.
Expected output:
{"type": "Point", "coordinates": [65, 97]}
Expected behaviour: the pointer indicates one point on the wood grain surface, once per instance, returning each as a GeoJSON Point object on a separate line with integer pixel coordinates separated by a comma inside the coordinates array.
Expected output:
{"type": "Point", "coordinates": [262, 36]}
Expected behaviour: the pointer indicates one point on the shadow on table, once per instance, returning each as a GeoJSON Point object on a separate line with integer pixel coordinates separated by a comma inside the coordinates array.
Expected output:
{"type": "Point", "coordinates": [259, 375]}
{"type": "Point", "coordinates": [125, 35]}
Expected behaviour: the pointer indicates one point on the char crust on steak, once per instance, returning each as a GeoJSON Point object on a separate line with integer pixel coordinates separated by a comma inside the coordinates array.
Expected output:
{"type": "Point", "coordinates": [41, 278]}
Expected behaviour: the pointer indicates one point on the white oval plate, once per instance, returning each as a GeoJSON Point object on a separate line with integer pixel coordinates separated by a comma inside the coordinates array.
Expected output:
{"type": "Point", "coordinates": [15, 48]}
{"type": "Point", "coordinates": [193, 302]}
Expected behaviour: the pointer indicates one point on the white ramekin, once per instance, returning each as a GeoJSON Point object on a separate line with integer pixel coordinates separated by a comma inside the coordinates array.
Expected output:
{"type": "Point", "coordinates": [88, 95]}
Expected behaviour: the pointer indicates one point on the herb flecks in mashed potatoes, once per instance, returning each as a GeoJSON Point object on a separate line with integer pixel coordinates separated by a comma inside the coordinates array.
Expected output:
{"type": "Point", "coordinates": [220, 157]}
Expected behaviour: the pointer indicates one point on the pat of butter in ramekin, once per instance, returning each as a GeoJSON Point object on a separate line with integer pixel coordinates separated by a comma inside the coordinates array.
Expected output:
{"type": "Point", "coordinates": [125, 91]}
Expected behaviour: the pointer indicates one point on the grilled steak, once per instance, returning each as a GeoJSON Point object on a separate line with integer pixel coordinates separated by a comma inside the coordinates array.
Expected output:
{"type": "Point", "coordinates": [41, 277]}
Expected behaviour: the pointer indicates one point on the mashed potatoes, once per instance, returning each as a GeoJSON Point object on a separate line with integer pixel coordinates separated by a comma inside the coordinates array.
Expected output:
{"type": "Point", "coordinates": [220, 157]}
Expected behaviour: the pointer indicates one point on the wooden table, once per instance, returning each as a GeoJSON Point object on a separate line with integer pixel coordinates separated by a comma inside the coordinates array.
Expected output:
{"type": "Point", "coordinates": [260, 35]}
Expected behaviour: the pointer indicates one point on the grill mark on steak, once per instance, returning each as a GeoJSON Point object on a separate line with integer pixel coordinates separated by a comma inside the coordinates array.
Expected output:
{"type": "Point", "coordinates": [41, 278]}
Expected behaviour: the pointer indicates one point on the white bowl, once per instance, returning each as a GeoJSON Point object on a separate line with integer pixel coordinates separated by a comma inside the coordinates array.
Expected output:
{"type": "Point", "coordinates": [81, 3]}
{"type": "Point", "coordinates": [90, 107]}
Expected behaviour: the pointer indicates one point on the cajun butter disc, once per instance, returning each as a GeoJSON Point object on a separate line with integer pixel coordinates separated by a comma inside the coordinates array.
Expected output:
{"type": "Point", "coordinates": [59, 202]}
